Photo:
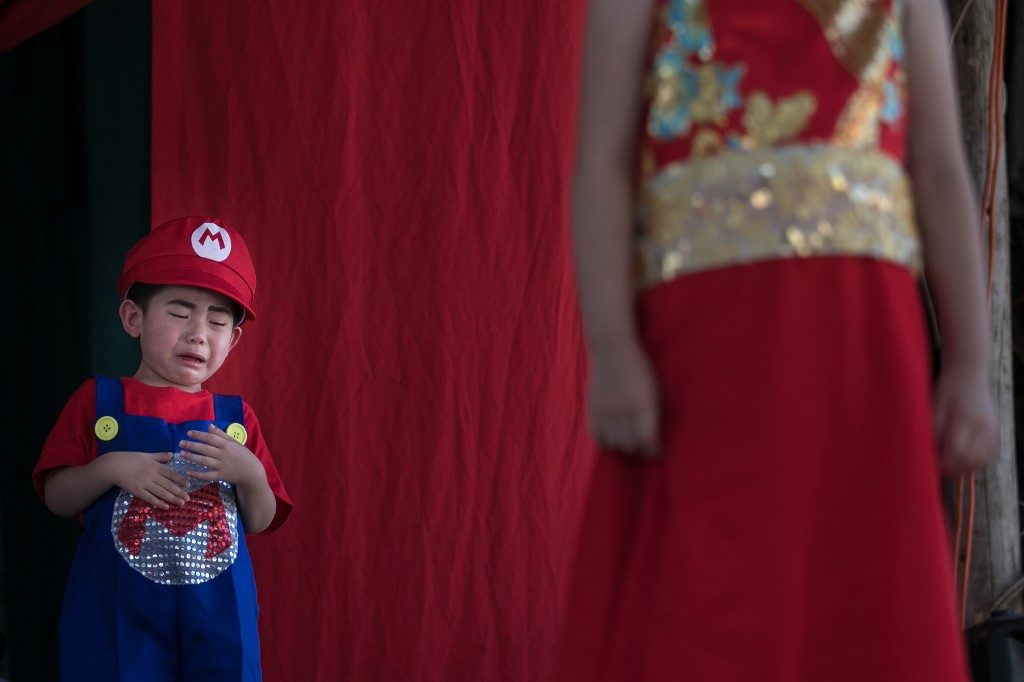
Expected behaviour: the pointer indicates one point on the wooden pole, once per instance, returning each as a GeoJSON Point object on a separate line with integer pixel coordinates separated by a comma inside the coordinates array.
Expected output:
{"type": "Point", "coordinates": [996, 560]}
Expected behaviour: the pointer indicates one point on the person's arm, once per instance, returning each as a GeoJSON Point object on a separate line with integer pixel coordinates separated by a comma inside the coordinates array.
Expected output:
{"type": "Point", "coordinates": [964, 413]}
{"type": "Point", "coordinates": [623, 403]}
{"type": "Point", "coordinates": [70, 490]}
{"type": "Point", "coordinates": [257, 503]}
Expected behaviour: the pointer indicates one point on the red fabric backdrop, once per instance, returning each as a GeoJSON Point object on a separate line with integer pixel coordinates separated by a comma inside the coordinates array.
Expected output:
{"type": "Point", "coordinates": [400, 172]}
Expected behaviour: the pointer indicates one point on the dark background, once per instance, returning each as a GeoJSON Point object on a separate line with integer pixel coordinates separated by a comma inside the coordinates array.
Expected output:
{"type": "Point", "coordinates": [74, 195]}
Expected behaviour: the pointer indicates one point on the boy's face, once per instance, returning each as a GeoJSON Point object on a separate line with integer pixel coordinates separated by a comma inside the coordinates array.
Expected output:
{"type": "Point", "coordinates": [185, 333]}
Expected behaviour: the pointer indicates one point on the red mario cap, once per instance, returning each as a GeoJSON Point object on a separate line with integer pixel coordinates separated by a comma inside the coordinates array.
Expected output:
{"type": "Point", "coordinates": [193, 251]}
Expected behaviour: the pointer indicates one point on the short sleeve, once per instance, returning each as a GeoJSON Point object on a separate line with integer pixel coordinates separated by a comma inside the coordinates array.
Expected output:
{"type": "Point", "coordinates": [71, 442]}
{"type": "Point", "coordinates": [258, 446]}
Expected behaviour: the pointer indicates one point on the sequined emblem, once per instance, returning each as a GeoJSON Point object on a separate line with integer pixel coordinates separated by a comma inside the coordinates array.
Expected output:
{"type": "Point", "coordinates": [743, 206]}
{"type": "Point", "coordinates": [181, 545]}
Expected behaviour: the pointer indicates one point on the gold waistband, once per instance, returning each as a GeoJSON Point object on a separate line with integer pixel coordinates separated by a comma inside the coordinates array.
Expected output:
{"type": "Point", "coordinates": [745, 206]}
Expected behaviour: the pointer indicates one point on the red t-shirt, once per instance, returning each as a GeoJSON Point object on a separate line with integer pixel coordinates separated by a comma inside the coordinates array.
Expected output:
{"type": "Point", "coordinates": [72, 442]}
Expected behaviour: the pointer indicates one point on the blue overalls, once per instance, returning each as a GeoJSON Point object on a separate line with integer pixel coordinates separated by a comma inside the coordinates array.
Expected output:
{"type": "Point", "coordinates": [147, 600]}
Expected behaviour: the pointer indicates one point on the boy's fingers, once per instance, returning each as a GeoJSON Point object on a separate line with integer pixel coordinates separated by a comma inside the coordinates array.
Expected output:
{"type": "Point", "coordinates": [177, 485]}
{"type": "Point", "coordinates": [162, 456]}
{"type": "Point", "coordinates": [202, 437]}
{"type": "Point", "coordinates": [170, 497]}
{"type": "Point", "coordinates": [175, 479]}
{"type": "Point", "coordinates": [151, 499]}
{"type": "Point", "coordinates": [200, 459]}
{"type": "Point", "coordinates": [215, 432]}
{"type": "Point", "coordinates": [189, 446]}
{"type": "Point", "coordinates": [204, 475]}
{"type": "Point", "coordinates": [168, 491]}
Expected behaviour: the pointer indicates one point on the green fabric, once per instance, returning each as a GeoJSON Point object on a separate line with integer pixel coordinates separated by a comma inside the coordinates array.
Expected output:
{"type": "Point", "coordinates": [74, 195]}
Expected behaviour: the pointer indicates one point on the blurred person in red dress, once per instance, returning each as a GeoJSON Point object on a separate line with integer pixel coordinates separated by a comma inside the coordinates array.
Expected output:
{"type": "Point", "coordinates": [759, 187]}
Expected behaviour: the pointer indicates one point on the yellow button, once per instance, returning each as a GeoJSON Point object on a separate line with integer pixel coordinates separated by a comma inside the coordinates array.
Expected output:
{"type": "Point", "coordinates": [106, 428]}
{"type": "Point", "coordinates": [238, 432]}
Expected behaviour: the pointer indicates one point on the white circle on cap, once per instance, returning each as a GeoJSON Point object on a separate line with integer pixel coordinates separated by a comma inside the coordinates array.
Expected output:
{"type": "Point", "coordinates": [211, 241]}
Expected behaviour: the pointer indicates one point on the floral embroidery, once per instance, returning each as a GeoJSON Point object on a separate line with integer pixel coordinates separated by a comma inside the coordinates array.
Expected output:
{"type": "Point", "coordinates": [670, 111]}
{"type": "Point", "coordinates": [717, 93]}
{"type": "Point", "coordinates": [685, 90]}
{"type": "Point", "coordinates": [688, 20]}
{"type": "Point", "coordinates": [768, 124]}
{"type": "Point", "coordinates": [690, 91]}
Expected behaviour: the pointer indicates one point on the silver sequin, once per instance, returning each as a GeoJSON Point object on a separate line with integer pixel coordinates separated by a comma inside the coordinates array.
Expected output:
{"type": "Point", "coordinates": [186, 559]}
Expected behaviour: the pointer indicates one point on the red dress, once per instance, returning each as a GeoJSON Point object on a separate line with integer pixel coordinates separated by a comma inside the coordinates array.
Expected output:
{"type": "Point", "coordinates": [792, 529]}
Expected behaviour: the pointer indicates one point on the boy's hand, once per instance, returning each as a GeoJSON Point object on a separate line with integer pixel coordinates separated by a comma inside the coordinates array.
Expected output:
{"type": "Point", "coordinates": [624, 409]}
{"type": "Point", "coordinates": [143, 475]}
{"type": "Point", "coordinates": [964, 419]}
{"type": "Point", "coordinates": [226, 458]}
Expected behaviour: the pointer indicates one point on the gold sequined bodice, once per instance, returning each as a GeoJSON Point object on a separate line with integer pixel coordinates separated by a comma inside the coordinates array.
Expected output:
{"type": "Point", "coordinates": [773, 130]}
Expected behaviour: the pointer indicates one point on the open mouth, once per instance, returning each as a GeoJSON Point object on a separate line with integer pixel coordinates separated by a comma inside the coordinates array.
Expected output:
{"type": "Point", "coordinates": [192, 359]}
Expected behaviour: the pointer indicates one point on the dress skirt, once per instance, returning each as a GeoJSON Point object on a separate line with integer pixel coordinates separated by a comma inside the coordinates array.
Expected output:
{"type": "Point", "coordinates": [792, 529]}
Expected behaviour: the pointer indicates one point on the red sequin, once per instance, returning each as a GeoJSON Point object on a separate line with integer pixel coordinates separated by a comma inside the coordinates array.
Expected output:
{"type": "Point", "coordinates": [203, 505]}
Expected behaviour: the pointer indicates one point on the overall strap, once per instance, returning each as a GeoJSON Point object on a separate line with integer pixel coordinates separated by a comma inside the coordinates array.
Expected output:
{"type": "Point", "coordinates": [109, 397]}
{"type": "Point", "coordinates": [228, 408]}
{"type": "Point", "coordinates": [109, 415]}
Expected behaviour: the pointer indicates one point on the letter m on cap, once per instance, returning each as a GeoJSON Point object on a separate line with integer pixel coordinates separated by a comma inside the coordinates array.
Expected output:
{"type": "Point", "coordinates": [211, 241]}
{"type": "Point", "coordinates": [210, 234]}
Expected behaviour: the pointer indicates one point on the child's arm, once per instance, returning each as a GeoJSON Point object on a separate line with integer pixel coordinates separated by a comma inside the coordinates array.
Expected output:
{"type": "Point", "coordinates": [228, 460]}
{"type": "Point", "coordinates": [623, 393]}
{"type": "Point", "coordinates": [70, 490]}
{"type": "Point", "coordinates": [964, 416]}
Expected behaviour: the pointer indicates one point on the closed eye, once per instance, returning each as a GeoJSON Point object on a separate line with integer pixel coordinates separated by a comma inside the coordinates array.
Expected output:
{"type": "Point", "coordinates": [180, 317]}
